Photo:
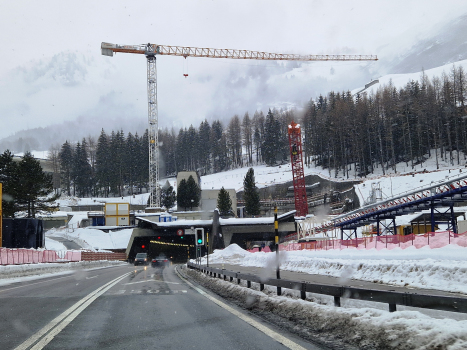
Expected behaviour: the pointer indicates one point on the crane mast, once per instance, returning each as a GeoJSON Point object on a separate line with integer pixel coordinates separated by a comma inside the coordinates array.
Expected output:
{"type": "Point", "coordinates": [153, 135]}
{"type": "Point", "coordinates": [151, 50]}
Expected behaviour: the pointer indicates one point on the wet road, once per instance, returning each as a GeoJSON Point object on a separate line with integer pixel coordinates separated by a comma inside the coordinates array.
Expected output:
{"type": "Point", "coordinates": [129, 307]}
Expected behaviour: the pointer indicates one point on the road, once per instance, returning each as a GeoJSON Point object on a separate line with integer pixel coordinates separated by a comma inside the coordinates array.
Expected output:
{"type": "Point", "coordinates": [127, 307]}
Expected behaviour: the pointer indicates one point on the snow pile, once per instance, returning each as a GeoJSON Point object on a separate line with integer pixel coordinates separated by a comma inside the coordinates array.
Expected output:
{"type": "Point", "coordinates": [366, 328]}
{"type": "Point", "coordinates": [20, 273]}
{"type": "Point", "coordinates": [137, 199]}
{"type": "Point", "coordinates": [232, 253]}
{"type": "Point", "coordinates": [442, 268]}
{"type": "Point", "coordinates": [50, 244]}
{"type": "Point", "coordinates": [95, 239]}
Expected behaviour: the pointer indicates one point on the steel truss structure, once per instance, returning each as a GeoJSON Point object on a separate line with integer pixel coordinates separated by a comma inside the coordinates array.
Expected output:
{"type": "Point", "coordinates": [154, 188]}
{"type": "Point", "coordinates": [439, 198]}
{"type": "Point", "coordinates": [187, 51]}
{"type": "Point", "coordinates": [298, 174]}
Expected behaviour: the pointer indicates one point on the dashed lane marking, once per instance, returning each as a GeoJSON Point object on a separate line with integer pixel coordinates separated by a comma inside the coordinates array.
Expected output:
{"type": "Point", "coordinates": [42, 337]}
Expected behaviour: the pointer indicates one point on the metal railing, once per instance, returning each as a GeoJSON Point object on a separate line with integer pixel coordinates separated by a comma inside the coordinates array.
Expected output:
{"type": "Point", "coordinates": [393, 298]}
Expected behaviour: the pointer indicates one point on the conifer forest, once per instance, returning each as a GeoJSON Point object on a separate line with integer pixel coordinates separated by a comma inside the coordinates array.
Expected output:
{"type": "Point", "coordinates": [350, 135]}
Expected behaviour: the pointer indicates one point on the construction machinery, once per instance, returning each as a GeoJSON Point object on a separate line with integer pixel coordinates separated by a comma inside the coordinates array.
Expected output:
{"type": "Point", "coordinates": [151, 50]}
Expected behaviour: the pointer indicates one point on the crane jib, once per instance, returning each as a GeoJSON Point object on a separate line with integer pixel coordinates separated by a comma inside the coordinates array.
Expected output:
{"type": "Point", "coordinates": [186, 51]}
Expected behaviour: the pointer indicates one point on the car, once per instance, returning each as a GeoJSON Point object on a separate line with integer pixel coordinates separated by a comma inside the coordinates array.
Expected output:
{"type": "Point", "coordinates": [161, 260]}
{"type": "Point", "coordinates": [141, 259]}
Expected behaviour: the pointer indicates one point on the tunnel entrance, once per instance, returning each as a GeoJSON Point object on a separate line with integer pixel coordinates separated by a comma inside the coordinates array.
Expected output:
{"type": "Point", "coordinates": [176, 252]}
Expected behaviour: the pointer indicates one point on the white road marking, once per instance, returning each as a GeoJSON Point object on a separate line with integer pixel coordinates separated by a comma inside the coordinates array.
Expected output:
{"type": "Point", "coordinates": [47, 333]}
{"type": "Point", "coordinates": [274, 335]}
{"type": "Point", "coordinates": [150, 281]}
{"type": "Point", "coordinates": [30, 284]}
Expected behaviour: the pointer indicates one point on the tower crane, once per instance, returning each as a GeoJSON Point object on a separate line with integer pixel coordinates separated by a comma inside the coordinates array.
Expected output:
{"type": "Point", "coordinates": [151, 50]}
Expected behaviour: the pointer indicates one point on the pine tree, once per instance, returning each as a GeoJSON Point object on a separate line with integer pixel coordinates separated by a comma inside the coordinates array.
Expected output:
{"type": "Point", "coordinates": [82, 171]}
{"type": "Point", "coordinates": [250, 194]}
{"type": "Point", "coordinates": [224, 203]}
{"type": "Point", "coordinates": [66, 165]}
{"type": "Point", "coordinates": [182, 157]}
{"type": "Point", "coordinates": [270, 144]}
{"type": "Point", "coordinates": [102, 164]}
{"type": "Point", "coordinates": [182, 195]}
{"type": "Point", "coordinates": [204, 143]}
{"type": "Point", "coordinates": [218, 147]}
{"type": "Point", "coordinates": [9, 178]}
{"type": "Point", "coordinates": [193, 192]}
{"type": "Point", "coordinates": [168, 196]}
{"type": "Point", "coordinates": [234, 141]}
{"type": "Point", "coordinates": [247, 133]}
{"type": "Point", "coordinates": [35, 187]}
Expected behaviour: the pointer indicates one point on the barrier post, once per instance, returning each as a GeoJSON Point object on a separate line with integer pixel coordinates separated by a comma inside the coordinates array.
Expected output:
{"type": "Point", "coordinates": [276, 231]}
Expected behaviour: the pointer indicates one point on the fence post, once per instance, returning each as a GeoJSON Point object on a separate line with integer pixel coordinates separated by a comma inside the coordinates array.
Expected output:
{"type": "Point", "coordinates": [337, 301]}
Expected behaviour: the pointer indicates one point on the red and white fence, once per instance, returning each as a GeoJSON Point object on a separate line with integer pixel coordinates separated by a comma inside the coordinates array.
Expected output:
{"type": "Point", "coordinates": [432, 239]}
{"type": "Point", "coordinates": [10, 256]}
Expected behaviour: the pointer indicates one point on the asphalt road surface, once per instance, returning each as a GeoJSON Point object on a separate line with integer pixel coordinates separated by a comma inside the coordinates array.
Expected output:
{"type": "Point", "coordinates": [127, 307]}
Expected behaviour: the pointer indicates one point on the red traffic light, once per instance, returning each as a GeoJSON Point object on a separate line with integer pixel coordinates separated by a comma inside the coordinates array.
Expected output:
{"type": "Point", "coordinates": [143, 246]}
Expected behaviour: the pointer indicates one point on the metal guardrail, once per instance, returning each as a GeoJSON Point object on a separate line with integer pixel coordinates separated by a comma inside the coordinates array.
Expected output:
{"type": "Point", "coordinates": [393, 298]}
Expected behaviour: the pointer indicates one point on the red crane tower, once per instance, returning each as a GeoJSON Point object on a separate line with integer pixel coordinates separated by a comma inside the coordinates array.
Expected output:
{"type": "Point", "coordinates": [299, 189]}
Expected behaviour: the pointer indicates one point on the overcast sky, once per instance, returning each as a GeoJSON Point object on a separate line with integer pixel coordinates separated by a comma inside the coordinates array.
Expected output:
{"type": "Point", "coordinates": [52, 70]}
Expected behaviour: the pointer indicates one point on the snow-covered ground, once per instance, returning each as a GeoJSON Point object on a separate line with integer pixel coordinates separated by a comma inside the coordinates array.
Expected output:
{"type": "Point", "coordinates": [20, 273]}
{"type": "Point", "coordinates": [441, 268]}
{"type": "Point", "coordinates": [401, 80]}
{"type": "Point", "coordinates": [92, 238]}
{"type": "Point", "coordinates": [366, 325]}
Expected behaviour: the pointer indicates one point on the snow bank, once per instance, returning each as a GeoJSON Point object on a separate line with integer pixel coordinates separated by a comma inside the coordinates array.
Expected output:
{"type": "Point", "coordinates": [442, 268]}
{"type": "Point", "coordinates": [19, 273]}
{"type": "Point", "coordinates": [95, 239]}
{"type": "Point", "coordinates": [365, 328]}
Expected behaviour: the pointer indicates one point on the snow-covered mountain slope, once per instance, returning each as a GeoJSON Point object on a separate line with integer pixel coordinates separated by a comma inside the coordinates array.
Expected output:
{"type": "Point", "coordinates": [400, 80]}
{"type": "Point", "coordinates": [447, 45]}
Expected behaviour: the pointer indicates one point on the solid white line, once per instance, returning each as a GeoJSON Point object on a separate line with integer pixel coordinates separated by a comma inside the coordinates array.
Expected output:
{"type": "Point", "coordinates": [274, 335]}
{"type": "Point", "coordinates": [74, 310]}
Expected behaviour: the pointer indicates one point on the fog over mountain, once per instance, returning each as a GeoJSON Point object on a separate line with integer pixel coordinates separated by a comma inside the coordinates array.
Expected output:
{"type": "Point", "coordinates": [449, 45]}
{"type": "Point", "coordinates": [91, 94]}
